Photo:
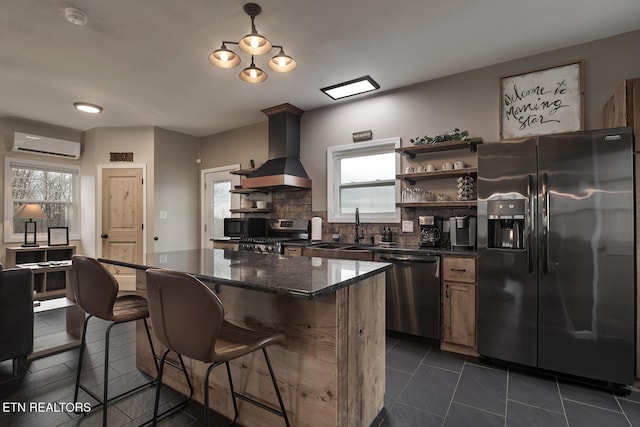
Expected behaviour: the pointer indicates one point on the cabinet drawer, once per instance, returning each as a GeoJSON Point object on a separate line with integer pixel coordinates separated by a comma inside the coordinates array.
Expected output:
{"type": "Point", "coordinates": [293, 250]}
{"type": "Point", "coordinates": [459, 269]}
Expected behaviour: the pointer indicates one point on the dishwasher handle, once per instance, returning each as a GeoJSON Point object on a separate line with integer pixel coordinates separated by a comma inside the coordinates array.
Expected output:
{"type": "Point", "coordinates": [408, 258]}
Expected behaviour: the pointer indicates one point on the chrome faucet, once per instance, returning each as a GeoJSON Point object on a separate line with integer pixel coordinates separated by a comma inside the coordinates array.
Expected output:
{"type": "Point", "coordinates": [359, 233]}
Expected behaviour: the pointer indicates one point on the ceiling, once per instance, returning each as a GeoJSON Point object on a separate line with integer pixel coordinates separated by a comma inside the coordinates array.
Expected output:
{"type": "Point", "coordinates": [145, 61]}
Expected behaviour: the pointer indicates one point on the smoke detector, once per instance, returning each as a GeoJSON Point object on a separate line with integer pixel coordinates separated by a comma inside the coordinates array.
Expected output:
{"type": "Point", "coordinates": [75, 16]}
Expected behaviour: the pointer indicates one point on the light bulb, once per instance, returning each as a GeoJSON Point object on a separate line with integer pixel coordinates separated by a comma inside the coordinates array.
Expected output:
{"type": "Point", "coordinates": [254, 42]}
{"type": "Point", "coordinates": [253, 73]}
{"type": "Point", "coordinates": [282, 61]}
{"type": "Point", "coordinates": [224, 56]}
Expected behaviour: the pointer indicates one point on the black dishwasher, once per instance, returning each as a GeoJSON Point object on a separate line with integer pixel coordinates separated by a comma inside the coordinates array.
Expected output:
{"type": "Point", "coordinates": [413, 294]}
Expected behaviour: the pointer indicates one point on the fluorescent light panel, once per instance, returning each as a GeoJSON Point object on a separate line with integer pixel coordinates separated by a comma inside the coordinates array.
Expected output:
{"type": "Point", "coordinates": [351, 88]}
{"type": "Point", "coordinates": [87, 108]}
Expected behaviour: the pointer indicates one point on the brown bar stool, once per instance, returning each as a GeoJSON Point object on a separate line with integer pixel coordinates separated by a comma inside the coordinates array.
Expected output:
{"type": "Point", "coordinates": [188, 318]}
{"type": "Point", "coordinates": [96, 292]}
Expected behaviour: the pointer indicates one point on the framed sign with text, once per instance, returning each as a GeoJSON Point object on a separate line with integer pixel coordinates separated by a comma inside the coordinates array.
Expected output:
{"type": "Point", "coordinates": [58, 236]}
{"type": "Point", "coordinates": [542, 102]}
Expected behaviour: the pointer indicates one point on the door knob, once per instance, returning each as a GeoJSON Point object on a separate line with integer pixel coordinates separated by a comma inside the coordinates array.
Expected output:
{"type": "Point", "coordinates": [104, 236]}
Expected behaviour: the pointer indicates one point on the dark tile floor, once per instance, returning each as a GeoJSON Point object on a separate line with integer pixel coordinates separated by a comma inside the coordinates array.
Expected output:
{"type": "Point", "coordinates": [425, 387]}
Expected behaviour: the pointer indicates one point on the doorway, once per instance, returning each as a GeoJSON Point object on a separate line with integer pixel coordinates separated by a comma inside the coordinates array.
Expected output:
{"type": "Point", "coordinates": [121, 220]}
{"type": "Point", "coordinates": [216, 201]}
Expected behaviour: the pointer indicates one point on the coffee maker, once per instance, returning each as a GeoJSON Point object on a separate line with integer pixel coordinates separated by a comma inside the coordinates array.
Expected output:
{"type": "Point", "coordinates": [462, 232]}
{"type": "Point", "coordinates": [429, 231]}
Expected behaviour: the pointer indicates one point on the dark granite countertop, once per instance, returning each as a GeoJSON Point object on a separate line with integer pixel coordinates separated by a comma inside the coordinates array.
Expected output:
{"type": "Point", "coordinates": [299, 277]}
{"type": "Point", "coordinates": [398, 247]}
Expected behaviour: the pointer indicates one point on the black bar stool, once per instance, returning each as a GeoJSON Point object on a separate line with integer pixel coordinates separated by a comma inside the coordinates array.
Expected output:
{"type": "Point", "coordinates": [96, 292]}
{"type": "Point", "coordinates": [188, 318]}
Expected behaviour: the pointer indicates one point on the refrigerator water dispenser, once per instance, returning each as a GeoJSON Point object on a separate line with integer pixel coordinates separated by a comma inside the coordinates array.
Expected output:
{"type": "Point", "coordinates": [506, 223]}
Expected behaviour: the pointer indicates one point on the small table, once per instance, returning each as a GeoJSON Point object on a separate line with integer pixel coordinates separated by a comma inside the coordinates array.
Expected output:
{"type": "Point", "coordinates": [58, 341]}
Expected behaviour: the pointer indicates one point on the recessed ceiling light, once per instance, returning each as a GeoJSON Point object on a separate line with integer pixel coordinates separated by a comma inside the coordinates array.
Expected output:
{"type": "Point", "coordinates": [88, 108]}
{"type": "Point", "coordinates": [352, 87]}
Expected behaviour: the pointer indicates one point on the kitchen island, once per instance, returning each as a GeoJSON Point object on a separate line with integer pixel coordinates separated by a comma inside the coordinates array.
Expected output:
{"type": "Point", "coordinates": [330, 368]}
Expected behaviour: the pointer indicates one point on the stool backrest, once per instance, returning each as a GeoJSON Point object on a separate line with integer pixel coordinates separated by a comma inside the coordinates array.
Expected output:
{"type": "Point", "coordinates": [185, 314]}
{"type": "Point", "coordinates": [94, 287]}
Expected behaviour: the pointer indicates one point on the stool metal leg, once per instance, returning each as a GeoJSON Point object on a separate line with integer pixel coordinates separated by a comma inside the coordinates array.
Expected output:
{"type": "Point", "coordinates": [156, 417]}
{"type": "Point", "coordinates": [206, 393]}
{"type": "Point", "coordinates": [105, 399]}
{"type": "Point", "coordinates": [158, 386]}
{"type": "Point", "coordinates": [153, 350]}
{"type": "Point", "coordinates": [82, 345]}
{"type": "Point", "coordinates": [233, 395]}
{"type": "Point", "coordinates": [105, 389]}
{"type": "Point", "coordinates": [275, 386]}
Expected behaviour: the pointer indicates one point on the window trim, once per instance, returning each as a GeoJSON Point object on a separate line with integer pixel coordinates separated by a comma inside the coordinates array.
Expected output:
{"type": "Point", "coordinates": [9, 235]}
{"type": "Point", "coordinates": [337, 153]}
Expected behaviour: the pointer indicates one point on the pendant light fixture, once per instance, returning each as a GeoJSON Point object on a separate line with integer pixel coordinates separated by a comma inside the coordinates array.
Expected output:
{"type": "Point", "coordinates": [254, 44]}
{"type": "Point", "coordinates": [253, 74]}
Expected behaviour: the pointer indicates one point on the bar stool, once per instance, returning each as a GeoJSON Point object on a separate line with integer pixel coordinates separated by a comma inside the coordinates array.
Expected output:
{"type": "Point", "coordinates": [188, 318]}
{"type": "Point", "coordinates": [96, 292]}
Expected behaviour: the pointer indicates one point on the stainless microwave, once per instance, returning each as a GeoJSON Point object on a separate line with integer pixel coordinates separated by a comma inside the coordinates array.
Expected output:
{"type": "Point", "coordinates": [245, 227]}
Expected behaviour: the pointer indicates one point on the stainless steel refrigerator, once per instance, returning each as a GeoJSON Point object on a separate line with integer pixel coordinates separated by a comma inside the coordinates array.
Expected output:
{"type": "Point", "coordinates": [556, 280]}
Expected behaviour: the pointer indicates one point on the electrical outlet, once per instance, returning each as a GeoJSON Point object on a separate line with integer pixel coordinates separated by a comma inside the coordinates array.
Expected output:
{"type": "Point", "coordinates": [407, 226]}
{"type": "Point", "coordinates": [445, 227]}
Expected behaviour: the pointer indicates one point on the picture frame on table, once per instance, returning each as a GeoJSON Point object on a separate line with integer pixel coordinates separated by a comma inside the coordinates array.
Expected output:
{"type": "Point", "coordinates": [543, 101]}
{"type": "Point", "coordinates": [58, 236]}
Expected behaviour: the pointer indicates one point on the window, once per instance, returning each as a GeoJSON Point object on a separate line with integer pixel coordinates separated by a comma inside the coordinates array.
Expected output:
{"type": "Point", "coordinates": [363, 176]}
{"type": "Point", "coordinates": [54, 187]}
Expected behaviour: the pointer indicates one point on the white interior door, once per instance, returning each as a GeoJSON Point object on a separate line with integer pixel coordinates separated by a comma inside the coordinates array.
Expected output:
{"type": "Point", "coordinates": [216, 201]}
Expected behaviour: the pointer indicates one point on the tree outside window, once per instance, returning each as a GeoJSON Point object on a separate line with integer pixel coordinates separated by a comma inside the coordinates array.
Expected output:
{"type": "Point", "coordinates": [52, 187]}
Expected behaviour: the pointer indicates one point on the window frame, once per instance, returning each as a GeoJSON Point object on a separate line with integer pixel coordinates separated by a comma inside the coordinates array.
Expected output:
{"type": "Point", "coordinates": [9, 235]}
{"type": "Point", "coordinates": [337, 153]}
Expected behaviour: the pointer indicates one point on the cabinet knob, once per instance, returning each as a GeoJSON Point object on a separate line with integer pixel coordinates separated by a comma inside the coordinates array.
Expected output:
{"type": "Point", "coordinates": [104, 236]}
{"type": "Point", "coordinates": [155, 238]}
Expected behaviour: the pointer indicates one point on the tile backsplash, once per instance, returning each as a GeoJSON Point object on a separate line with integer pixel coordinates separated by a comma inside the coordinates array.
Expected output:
{"type": "Point", "coordinates": [297, 205]}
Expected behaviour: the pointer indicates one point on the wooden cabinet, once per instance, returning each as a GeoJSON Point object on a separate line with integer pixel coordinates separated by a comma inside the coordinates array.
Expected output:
{"type": "Point", "coordinates": [230, 246]}
{"type": "Point", "coordinates": [50, 266]}
{"type": "Point", "coordinates": [413, 177]}
{"type": "Point", "coordinates": [293, 250]}
{"type": "Point", "coordinates": [621, 110]}
{"type": "Point", "coordinates": [459, 305]}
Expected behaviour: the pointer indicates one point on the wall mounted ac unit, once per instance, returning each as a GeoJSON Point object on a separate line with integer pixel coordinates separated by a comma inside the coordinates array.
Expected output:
{"type": "Point", "coordinates": [45, 146]}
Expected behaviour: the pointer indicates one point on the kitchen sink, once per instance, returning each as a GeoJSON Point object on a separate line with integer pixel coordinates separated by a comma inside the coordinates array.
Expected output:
{"type": "Point", "coordinates": [332, 245]}
{"type": "Point", "coordinates": [357, 248]}
{"type": "Point", "coordinates": [339, 251]}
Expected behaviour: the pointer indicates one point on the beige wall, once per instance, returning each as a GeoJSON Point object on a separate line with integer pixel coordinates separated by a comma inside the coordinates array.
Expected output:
{"type": "Point", "coordinates": [103, 141]}
{"type": "Point", "coordinates": [176, 191]}
{"type": "Point", "coordinates": [236, 146]}
{"type": "Point", "coordinates": [468, 100]}
{"type": "Point", "coordinates": [10, 125]}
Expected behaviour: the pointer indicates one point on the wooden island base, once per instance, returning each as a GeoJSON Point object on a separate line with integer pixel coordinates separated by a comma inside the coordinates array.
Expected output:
{"type": "Point", "coordinates": [330, 369]}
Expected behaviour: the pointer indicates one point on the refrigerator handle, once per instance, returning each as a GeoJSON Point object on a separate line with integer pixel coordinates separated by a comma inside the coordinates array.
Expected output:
{"type": "Point", "coordinates": [545, 223]}
{"type": "Point", "coordinates": [530, 221]}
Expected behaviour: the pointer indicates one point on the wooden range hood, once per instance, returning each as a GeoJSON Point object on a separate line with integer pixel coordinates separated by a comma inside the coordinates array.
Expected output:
{"type": "Point", "coordinates": [283, 170]}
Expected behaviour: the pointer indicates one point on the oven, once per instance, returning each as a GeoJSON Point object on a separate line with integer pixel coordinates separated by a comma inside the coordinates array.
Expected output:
{"type": "Point", "coordinates": [278, 232]}
{"type": "Point", "coordinates": [245, 227]}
